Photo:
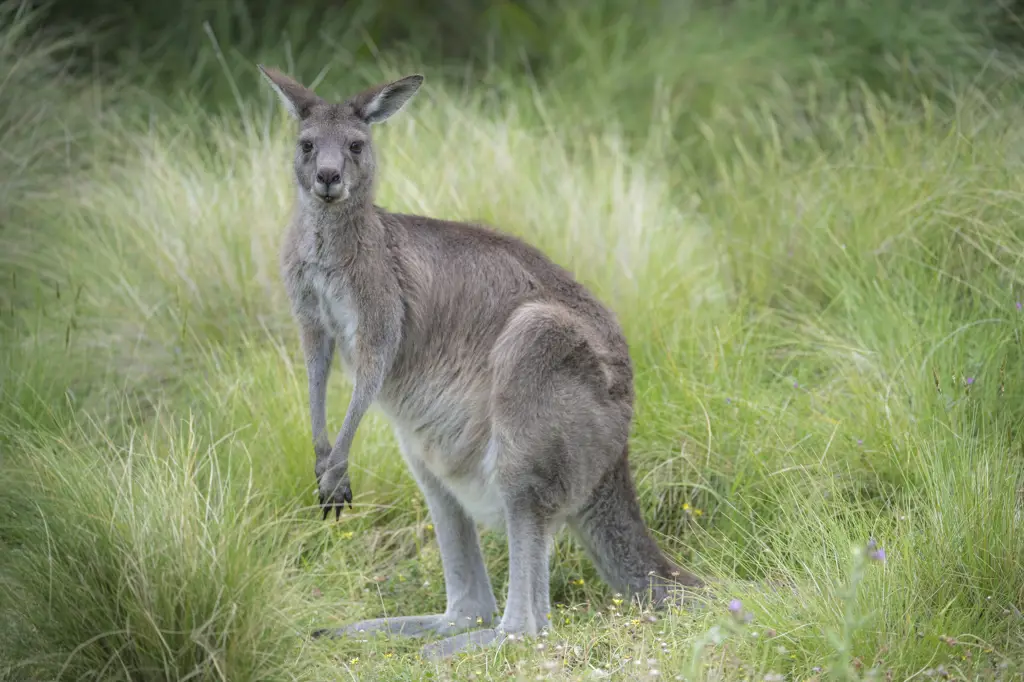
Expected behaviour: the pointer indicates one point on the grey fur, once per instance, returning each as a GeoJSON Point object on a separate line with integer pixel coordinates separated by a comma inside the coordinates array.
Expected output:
{"type": "Point", "coordinates": [508, 385]}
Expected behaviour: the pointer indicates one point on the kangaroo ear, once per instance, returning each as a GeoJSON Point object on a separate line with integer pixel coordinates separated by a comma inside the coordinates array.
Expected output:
{"type": "Point", "coordinates": [297, 98]}
{"type": "Point", "coordinates": [381, 102]}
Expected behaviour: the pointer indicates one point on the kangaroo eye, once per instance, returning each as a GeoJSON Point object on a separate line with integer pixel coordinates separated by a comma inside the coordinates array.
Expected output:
{"type": "Point", "coordinates": [306, 146]}
{"type": "Point", "coordinates": [356, 147]}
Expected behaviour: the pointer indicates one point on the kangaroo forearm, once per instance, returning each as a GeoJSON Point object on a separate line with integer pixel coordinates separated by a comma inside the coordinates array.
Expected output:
{"type": "Point", "coordinates": [369, 380]}
{"type": "Point", "coordinates": [319, 351]}
{"type": "Point", "coordinates": [357, 408]}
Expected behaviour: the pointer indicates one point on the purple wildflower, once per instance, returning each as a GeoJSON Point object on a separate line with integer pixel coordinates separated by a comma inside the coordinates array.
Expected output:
{"type": "Point", "coordinates": [796, 384]}
{"type": "Point", "coordinates": [860, 441]}
{"type": "Point", "coordinates": [735, 605]}
{"type": "Point", "coordinates": [728, 401]}
{"type": "Point", "coordinates": [1019, 305]}
{"type": "Point", "coordinates": [875, 553]}
{"type": "Point", "coordinates": [970, 380]}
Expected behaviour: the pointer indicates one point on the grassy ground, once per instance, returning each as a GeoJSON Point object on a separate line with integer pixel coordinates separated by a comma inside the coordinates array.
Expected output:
{"type": "Point", "coordinates": [820, 282]}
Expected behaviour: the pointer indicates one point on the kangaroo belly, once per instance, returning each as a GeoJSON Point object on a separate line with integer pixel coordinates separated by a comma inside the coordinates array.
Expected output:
{"type": "Point", "coordinates": [444, 424]}
{"type": "Point", "coordinates": [474, 483]}
{"type": "Point", "coordinates": [450, 429]}
{"type": "Point", "coordinates": [480, 496]}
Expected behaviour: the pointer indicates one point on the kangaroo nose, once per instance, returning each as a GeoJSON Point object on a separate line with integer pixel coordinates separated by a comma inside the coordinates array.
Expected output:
{"type": "Point", "coordinates": [328, 176]}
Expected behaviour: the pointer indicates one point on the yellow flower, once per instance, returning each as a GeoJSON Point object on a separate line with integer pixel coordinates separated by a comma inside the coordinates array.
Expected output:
{"type": "Point", "coordinates": [686, 506]}
{"type": "Point", "coordinates": [388, 654]}
{"type": "Point", "coordinates": [430, 526]}
{"type": "Point", "coordinates": [578, 581]}
{"type": "Point", "coordinates": [698, 512]}
{"type": "Point", "coordinates": [354, 660]}
{"type": "Point", "coordinates": [347, 534]}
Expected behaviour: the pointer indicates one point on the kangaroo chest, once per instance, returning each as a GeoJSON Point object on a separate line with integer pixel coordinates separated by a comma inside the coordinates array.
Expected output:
{"type": "Point", "coordinates": [327, 298]}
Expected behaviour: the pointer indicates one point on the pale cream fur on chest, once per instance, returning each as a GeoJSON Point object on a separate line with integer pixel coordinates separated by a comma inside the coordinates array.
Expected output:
{"type": "Point", "coordinates": [335, 310]}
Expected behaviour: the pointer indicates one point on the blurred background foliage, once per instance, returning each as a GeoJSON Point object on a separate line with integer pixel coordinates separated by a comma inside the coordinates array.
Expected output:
{"type": "Point", "coordinates": [855, 40]}
{"type": "Point", "coordinates": [710, 65]}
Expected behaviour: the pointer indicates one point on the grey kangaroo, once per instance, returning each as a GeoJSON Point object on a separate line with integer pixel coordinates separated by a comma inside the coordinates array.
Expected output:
{"type": "Point", "coordinates": [508, 385]}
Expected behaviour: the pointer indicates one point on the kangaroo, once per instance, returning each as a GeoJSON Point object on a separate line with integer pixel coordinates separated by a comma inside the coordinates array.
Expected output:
{"type": "Point", "coordinates": [508, 385]}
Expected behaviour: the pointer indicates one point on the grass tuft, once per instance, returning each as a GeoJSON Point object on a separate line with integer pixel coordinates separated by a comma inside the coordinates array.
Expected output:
{"type": "Point", "coordinates": [144, 561]}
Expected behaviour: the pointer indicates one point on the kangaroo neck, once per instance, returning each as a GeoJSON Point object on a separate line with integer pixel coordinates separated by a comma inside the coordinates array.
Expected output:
{"type": "Point", "coordinates": [347, 228]}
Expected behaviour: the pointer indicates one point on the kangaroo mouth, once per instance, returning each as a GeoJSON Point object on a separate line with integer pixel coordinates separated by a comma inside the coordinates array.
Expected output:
{"type": "Point", "coordinates": [332, 196]}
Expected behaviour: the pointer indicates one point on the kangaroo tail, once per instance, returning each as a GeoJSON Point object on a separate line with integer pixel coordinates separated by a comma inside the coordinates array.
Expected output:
{"type": "Point", "coordinates": [615, 536]}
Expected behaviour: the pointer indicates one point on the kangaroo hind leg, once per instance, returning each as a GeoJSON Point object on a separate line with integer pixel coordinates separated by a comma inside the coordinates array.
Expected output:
{"type": "Point", "coordinates": [469, 595]}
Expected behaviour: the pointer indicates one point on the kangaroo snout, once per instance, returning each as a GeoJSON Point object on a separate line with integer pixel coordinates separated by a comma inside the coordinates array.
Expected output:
{"type": "Point", "coordinates": [328, 176]}
{"type": "Point", "coordinates": [327, 184]}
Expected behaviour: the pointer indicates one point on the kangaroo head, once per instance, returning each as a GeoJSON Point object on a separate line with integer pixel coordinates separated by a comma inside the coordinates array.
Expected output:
{"type": "Point", "coordinates": [334, 158]}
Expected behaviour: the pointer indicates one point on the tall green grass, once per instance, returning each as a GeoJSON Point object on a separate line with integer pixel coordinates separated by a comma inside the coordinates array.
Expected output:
{"type": "Point", "coordinates": [820, 281]}
{"type": "Point", "coordinates": [145, 561]}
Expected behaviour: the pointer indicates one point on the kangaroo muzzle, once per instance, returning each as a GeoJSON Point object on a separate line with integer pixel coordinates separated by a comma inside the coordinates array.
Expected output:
{"type": "Point", "coordinates": [328, 185]}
